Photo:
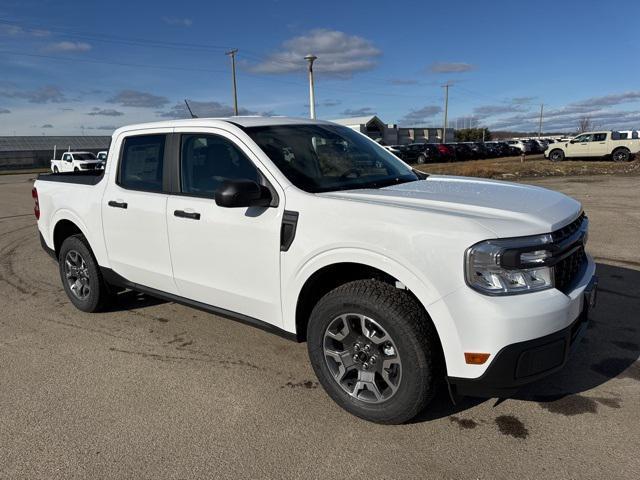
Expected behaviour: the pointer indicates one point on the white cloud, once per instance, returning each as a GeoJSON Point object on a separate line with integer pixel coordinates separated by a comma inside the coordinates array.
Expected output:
{"type": "Point", "coordinates": [67, 46]}
{"type": "Point", "coordinates": [421, 115]}
{"type": "Point", "coordinates": [338, 54]}
{"type": "Point", "coordinates": [450, 67]}
{"type": "Point", "coordinates": [203, 110]}
{"type": "Point", "coordinates": [135, 98]}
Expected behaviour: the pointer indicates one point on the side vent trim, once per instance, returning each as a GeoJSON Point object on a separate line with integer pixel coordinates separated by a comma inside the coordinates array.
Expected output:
{"type": "Point", "coordinates": [288, 229]}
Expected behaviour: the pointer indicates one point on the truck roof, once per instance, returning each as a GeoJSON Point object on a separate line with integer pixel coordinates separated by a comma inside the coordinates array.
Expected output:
{"type": "Point", "coordinates": [242, 121]}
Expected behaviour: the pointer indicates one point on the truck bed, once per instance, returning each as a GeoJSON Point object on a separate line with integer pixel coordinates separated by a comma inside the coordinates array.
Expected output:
{"type": "Point", "coordinates": [90, 177]}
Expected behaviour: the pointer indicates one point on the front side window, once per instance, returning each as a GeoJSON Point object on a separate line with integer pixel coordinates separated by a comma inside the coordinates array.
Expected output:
{"type": "Point", "coordinates": [326, 157]}
{"type": "Point", "coordinates": [208, 160]}
{"type": "Point", "coordinates": [142, 163]}
{"type": "Point", "coordinates": [66, 157]}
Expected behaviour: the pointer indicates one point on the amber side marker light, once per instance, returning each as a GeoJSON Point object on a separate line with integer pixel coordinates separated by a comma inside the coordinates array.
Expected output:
{"type": "Point", "coordinates": [476, 358]}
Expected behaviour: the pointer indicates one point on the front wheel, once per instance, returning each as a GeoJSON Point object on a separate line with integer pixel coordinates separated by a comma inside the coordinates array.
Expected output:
{"type": "Point", "coordinates": [374, 350]}
{"type": "Point", "coordinates": [621, 155]}
{"type": "Point", "coordinates": [422, 159]}
{"type": "Point", "coordinates": [55, 170]}
{"type": "Point", "coordinates": [76, 169]}
{"type": "Point", "coordinates": [556, 155]}
{"type": "Point", "coordinates": [81, 277]}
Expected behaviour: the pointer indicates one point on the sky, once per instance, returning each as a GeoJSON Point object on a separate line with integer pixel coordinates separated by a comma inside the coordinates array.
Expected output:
{"type": "Point", "coordinates": [88, 67]}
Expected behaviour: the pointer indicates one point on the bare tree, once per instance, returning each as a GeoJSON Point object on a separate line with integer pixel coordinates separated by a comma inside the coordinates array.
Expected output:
{"type": "Point", "coordinates": [585, 124]}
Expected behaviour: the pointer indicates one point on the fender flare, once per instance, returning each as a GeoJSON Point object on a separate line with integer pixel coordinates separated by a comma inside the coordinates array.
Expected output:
{"type": "Point", "coordinates": [423, 289]}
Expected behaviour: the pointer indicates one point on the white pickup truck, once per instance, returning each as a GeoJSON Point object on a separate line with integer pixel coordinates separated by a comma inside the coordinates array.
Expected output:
{"type": "Point", "coordinates": [76, 162]}
{"type": "Point", "coordinates": [397, 280]}
{"type": "Point", "coordinates": [595, 144]}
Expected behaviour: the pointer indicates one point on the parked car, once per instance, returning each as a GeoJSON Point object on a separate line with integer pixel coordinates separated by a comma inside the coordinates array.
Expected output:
{"type": "Point", "coordinates": [75, 162]}
{"type": "Point", "coordinates": [446, 152]}
{"type": "Point", "coordinates": [102, 156]}
{"type": "Point", "coordinates": [395, 279]}
{"type": "Point", "coordinates": [420, 153]}
{"type": "Point", "coordinates": [462, 151]}
{"type": "Point", "coordinates": [595, 144]}
{"type": "Point", "coordinates": [521, 145]}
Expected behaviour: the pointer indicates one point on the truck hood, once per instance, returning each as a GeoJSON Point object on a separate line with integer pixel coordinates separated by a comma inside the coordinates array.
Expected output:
{"type": "Point", "coordinates": [506, 209]}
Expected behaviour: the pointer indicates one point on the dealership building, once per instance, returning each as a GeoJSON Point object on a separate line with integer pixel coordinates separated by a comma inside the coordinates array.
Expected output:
{"type": "Point", "coordinates": [35, 152]}
{"type": "Point", "coordinates": [391, 134]}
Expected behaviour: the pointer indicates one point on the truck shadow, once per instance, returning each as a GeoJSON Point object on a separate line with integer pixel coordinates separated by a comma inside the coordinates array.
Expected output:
{"type": "Point", "coordinates": [609, 350]}
{"type": "Point", "coordinates": [130, 300]}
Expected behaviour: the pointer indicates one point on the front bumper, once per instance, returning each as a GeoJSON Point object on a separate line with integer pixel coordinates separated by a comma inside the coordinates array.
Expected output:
{"type": "Point", "coordinates": [524, 362]}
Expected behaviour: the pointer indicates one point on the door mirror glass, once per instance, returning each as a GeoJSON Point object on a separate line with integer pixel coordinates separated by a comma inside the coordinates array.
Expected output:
{"type": "Point", "coordinates": [242, 193]}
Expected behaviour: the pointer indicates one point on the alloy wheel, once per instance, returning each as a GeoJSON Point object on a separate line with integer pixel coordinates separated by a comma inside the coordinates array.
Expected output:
{"type": "Point", "coordinates": [362, 358]}
{"type": "Point", "coordinates": [77, 275]}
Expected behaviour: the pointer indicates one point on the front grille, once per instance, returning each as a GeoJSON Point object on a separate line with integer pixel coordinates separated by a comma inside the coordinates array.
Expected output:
{"type": "Point", "coordinates": [566, 270]}
{"type": "Point", "coordinates": [568, 230]}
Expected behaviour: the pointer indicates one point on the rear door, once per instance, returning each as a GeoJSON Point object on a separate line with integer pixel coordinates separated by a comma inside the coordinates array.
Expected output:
{"type": "Point", "coordinates": [134, 211]}
{"type": "Point", "coordinates": [598, 146]}
{"type": "Point", "coordinates": [224, 257]}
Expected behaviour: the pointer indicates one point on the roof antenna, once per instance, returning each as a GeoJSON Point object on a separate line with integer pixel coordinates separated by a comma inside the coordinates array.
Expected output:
{"type": "Point", "coordinates": [189, 108]}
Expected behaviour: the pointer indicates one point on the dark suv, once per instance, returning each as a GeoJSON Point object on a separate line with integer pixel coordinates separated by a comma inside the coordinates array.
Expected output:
{"type": "Point", "coordinates": [420, 153]}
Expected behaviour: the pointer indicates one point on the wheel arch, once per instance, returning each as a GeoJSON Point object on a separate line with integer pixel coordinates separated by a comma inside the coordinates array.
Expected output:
{"type": "Point", "coordinates": [329, 270]}
{"type": "Point", "coordinates": [64, 226]}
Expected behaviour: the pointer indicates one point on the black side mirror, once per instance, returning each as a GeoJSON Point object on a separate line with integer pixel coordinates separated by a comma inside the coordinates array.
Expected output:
{"type": "Point", "coordinates": [242, 193]}
{"type": "Point", "coordinates": [572, 141]}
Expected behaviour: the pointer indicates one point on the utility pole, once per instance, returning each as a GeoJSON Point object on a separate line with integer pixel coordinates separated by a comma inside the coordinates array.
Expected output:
{"type": "Point", "coordinates": [312, 98]}
{"type": "Point", "coordinates": [232, 54]}
{"type": "Point", "coordinates": [446, 111]}
{"type": "Point", "coordinates": [540, 124]}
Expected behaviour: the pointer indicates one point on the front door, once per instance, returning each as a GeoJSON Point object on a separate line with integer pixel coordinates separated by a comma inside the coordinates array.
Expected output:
{"type": "Point", "coordinates": [134, 211]}
{"type": "Point", "coordinates": [224, 257]}
{"type": "Point", "coordinates": [66, 163]}
{"type": "Point", "coordinates": [579, 146]}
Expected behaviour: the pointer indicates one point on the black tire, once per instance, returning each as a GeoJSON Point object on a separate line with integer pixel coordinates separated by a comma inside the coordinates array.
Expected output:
{"type": "Point", "coordinates": [55, 170]}
{"type": "Point", "coordinates": [97, 295]}
{"type": "Point", "coordinates": [76, 169]}
{"type": "Point", "coordinates": [421, 160]}
{"type": "Point", "coordinates": [621, 155]}
{"type": "Point", "coordinates": [556, 155]}
{"type": "Point", "coordinates": [405, 323]}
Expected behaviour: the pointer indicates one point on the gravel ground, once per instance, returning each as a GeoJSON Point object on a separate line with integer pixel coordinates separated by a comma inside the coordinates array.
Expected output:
{"type": "Point", "coordinates": [157, 390]}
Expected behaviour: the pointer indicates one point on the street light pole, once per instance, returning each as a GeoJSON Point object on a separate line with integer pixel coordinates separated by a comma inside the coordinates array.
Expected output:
{"type": "Point", "coordinates": [540, 124]}
{"type": "Point", "coordinates": [446, 112]}
{"type": "Point", "coordinates": [232, 54]}
{"type": "Point", "coordinates": [312, 99]}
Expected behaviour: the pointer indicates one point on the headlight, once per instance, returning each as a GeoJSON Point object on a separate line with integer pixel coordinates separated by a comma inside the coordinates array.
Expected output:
{"type": "Point", "coordinates": [510, 266]}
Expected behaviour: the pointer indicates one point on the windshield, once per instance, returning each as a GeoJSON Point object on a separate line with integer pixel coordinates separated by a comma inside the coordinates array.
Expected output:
{"type": "Point", "coordinates": [84, 156]}
{"type": "Point", "coordinates": [323, 158]}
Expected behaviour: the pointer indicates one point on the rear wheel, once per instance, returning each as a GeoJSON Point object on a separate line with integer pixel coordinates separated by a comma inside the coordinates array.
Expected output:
{"type": "Point", "coordinates": [556, 155]}
{"type": "Point", "coordinates": [374, 351]}
{"type": "Point", "coordinates": [421, 159]}
{"type": "Point", "coordinates": [621, 155]}
{"type": "Point", "coordinates": [55, 170]}
{"type": "Point", "coordinates": [80, 275]}
{"type": "Point", "coordinates": [76, 169]}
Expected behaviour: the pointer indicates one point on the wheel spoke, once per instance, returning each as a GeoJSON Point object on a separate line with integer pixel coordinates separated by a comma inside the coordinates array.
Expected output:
{"type": "Point", "coordinates": [343, 332]}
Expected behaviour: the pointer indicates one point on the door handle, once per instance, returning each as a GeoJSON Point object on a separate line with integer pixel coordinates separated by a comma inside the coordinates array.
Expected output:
{"type": "Point", "coordinates": [183, 214]}
{"type": "Point", "coordinates": [116, 204]}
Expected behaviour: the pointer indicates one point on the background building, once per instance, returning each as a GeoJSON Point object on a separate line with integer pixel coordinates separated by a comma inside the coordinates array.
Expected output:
{"type": "Point", "coordinates": [390, 134]}
{"type": "Point", "coordinates": [34, 152]}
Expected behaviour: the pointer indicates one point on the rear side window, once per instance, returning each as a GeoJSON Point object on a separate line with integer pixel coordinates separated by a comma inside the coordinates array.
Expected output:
{"type": "Point", "coordinates": [208, 160]}
{"type": "Point", "coordinates": [599, 137]}
{"type": "Point", "coordinates": [141, 163]}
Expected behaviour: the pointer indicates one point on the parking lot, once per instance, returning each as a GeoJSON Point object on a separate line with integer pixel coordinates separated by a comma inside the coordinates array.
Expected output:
{"type": "Point", "coordinates": [154, 389]}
